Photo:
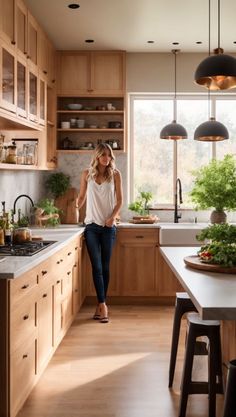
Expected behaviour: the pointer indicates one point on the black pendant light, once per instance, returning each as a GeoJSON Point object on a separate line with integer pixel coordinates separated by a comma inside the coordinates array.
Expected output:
{"type": "Point", "coordinates": [211, 131]}
{"type": "Point", "coordinates": [174, 130]}
{"type": "Point", "coordinates": [218, 71]}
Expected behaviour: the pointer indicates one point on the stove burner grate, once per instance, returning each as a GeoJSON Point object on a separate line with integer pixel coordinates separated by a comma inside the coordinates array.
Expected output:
{"type": "Point", "coordinates": [25, 249]}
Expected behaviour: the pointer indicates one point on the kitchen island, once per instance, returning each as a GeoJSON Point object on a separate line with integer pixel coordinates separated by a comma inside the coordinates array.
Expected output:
{"type": "Point", "coordinates": [213, 294]}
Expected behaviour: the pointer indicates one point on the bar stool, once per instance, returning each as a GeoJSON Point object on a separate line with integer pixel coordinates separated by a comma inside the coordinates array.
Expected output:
{"type": "Point", "coordinates": [183, 304]}
{"type": "Point", "coordinates": [197, 328]}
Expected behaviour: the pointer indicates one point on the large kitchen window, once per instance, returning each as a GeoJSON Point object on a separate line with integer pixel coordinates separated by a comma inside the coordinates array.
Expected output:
{"type": "Point", "coordinates": [156, 163]}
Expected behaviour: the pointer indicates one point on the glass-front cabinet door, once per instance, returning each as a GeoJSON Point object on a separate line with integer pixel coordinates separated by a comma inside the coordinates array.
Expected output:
{"type": "Point", "coordinates": [33, 96]}
{"type": "Point", "coordinates": [8, 78]}
{"type": "Point", "coordinates": [21, 88]}
{"type": "Point", "coordinates": [42, 101]}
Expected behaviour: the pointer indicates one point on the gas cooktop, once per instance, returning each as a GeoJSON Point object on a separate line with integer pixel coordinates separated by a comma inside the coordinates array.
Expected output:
{"type": "Point", "coordinates": [25, 249]}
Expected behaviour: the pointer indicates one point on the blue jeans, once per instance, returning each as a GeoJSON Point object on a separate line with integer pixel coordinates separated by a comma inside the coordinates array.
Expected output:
{"type": "Point", "coordinates": [99, 241]}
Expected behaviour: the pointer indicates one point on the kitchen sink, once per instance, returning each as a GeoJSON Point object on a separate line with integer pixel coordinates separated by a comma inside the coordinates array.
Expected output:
{"type": "Point", "coordinates": [180, 234]}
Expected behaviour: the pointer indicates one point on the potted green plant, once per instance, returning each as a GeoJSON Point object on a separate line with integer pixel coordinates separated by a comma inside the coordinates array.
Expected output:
{"type": "Point", "coordinates": [140, 205]}
{"type": "Point", "coordinates": [215, 187]}
{"type": "Point", "coordinates": [46, 214]}
{"type": "Point", "coordinates": [57, 183]}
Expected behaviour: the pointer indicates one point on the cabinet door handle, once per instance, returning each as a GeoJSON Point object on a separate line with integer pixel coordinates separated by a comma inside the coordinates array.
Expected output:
{"type": "Point", "coordinates": [139, 237]}
{"type": "Point", "coordinates": [25, 356]}
{"type": "Point", "coordinates": [69, 272]}
{"type": "Point", "coordinates": [26, 317]}
{"type": "Point", "coordinates": [76, 290]}
{"type": "Point", "coordinates": [58, 262]}
{"type": "Point", "coordinates": [25, 286]}
{"type": "Point", "coordinates": [75, 265]}
{"type": "Point", "coordinates": [58, 281]}
{"type": "Point", "coordinates": [69, 253]}
{"type": "Point", "coordinates": [76, 247]}
{"type": "Point", "coordinates": [61, 260]}
{"type": "Point", "coordinates": [44, 272]}
{"type": "Point", "coordinates": [45, 295]}
{"type": "Point", "coordinates": [13, 42]}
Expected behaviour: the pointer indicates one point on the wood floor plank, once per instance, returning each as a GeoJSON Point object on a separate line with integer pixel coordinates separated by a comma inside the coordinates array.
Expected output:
{"type": "Point", "coordinates": [119, 369]}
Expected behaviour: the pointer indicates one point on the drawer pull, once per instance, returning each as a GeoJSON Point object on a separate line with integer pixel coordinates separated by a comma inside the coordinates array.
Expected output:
{"type": "Point", "coordinates": [69, 253]}
{"type": "Point", "coordinates": [58, 281]}
{"type": "Point", "coordinates": [76, 247]}
{"type": "Point", "coordinates": [44, 272]}
{"type": "Point", "coordinates": [45, 295]}
{"type": "Point", "coordinates": [25, 286]}
{"type": "Point", "coordinates": [25, 356]}
{"type": "Point", "coordinates": [139, 237]}
{"type": "Point", "coordinates": [26, 317]}
{"type": "Point", "coordinates": [69, 272]}
{"type": "Point", "coordinates": [75, 265]}
{"type": "Point", "coordinates": [76, 290]}
{"type": "Point", "coordinates": [58, 262]}
{"type": "Point", "coordinates": [61, 260]}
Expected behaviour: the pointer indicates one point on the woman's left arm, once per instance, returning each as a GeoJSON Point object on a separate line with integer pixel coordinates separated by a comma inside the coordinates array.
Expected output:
{"type": "Point", "coordinates": [119, 199]}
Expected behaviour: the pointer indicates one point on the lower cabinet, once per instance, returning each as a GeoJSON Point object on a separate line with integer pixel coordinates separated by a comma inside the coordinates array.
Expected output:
{"type": "Point", "coordinates": [137, 261]}
{"type": "Point", "coordinates": [42, 305]}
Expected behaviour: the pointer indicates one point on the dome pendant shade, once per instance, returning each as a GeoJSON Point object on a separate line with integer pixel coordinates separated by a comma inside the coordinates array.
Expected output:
{"type": "Point", "coordinates": [211, 131]}
{"type": "Point", "coordinates": [217, 72]}
{"type": "Point", "coordinates": [173, 131]}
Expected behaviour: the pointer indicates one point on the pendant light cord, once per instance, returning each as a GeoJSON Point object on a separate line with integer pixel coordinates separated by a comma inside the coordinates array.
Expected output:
{"type": "Point", "coordinates": [209, 52]}
{"type": "Point", "coordinates": [218, 23]}
{"type": "Point", "coordinates": [175, 72]}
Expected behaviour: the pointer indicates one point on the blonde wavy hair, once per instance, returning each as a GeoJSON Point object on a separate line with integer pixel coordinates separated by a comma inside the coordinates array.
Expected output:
{"type": "Point", "coordinates": [110, 169]}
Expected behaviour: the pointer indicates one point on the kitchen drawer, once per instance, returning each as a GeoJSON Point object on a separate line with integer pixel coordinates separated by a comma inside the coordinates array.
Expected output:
{"type": "Point", "coordinates": [67, 255]}
{"type": "Point", "coordinates": [22, 323]}
{"type": "Point", "coordinates": [24, 286]}
{"type": "Point", "coordinates": [46, 272]}
{"type": "Point", "coordinates": [138, 235]}
{"type": "Point", "coordinates": [22, 374]}
{"type": "Point", "coordinates": [67, 283]}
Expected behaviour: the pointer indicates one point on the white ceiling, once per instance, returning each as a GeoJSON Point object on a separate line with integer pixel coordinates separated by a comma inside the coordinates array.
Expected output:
{"type": "Point", "coordinates": [129, 24]}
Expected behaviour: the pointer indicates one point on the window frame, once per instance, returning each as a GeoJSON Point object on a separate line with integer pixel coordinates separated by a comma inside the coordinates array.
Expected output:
{"type": "Point", "coordinates": [166, 96]}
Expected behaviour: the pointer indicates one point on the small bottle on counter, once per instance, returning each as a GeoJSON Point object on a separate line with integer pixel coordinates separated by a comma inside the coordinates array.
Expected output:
{"type": "Point", "coordinates": [8, 231]}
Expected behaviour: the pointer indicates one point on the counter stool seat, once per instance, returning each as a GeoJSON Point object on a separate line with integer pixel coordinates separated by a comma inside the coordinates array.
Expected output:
{"type": "Point", "coordinates": [198, 328]}
{"type": "Point", "coordinates": [183, 304]}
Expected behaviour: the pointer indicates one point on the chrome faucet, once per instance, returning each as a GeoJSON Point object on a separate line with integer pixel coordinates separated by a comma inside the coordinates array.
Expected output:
{"type": "Point", "coordinates": [22, 195]}
{"type": "Point", "coordinates": [177, 215]}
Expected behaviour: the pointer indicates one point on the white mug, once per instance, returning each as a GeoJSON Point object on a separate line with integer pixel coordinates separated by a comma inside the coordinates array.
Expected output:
{"type": "Point", "coordinates": [109, 106]}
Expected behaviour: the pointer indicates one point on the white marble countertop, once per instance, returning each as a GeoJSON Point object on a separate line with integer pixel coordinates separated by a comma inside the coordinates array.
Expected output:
{"type": "Point", "coordinates": [14, 266]}
{"type": "Point", "coordinates": [213, 294]}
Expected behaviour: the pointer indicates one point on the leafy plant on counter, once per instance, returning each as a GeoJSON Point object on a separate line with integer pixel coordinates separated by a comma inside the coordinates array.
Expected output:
{"type": "Point", "coordinates": [58, 183]}
{"type": "Point", "coordinates": [140, 205]}
{"type": "Point", "coordinates": [215, 185]}
{"type": "Point", "coordinates": [48, 207]}
{"type": "Point", "coordinates": [222, 247]}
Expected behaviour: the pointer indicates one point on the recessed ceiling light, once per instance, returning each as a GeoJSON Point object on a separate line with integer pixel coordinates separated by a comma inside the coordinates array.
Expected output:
{"type": "Point", "coordinates": [73, 6]}
{"type": "Point", "coordinates": [199, 42]}
{"type": "Point", "coordinates": [89, 40]}
{"type": "Point", "coordinates": [175, 43]}
{"type": "Point", "coordinates": [150, 41]}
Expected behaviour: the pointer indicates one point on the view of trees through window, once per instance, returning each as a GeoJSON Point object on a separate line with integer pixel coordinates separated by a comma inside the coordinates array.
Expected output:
{"type": "Point", "coordinates": [155, 162]}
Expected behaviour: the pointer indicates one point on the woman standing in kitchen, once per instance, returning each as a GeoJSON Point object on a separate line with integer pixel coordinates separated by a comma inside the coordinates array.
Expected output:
{"type": "Point", "coordinates": [102, 185]}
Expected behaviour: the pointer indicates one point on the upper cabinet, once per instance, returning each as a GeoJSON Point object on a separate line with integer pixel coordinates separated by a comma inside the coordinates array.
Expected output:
{"type": "Point", "coordinates": [97, 73]}
{"type": "Point", "coordinates": [8, 21]}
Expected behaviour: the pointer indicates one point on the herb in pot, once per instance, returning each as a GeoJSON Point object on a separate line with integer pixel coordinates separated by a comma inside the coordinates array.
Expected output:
{"type": "Point", "coordinates": [140, 205]}
{"type": "Point", "coordinates": [58, 183]}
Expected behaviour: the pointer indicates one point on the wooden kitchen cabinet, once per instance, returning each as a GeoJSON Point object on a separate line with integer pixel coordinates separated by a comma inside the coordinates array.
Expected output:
{"type": "Point", "coordinates": [45, 323]}
{"type": "Point", "coordinates": [97, 73]}
{"type": "Point", "coordinates": [7, 21]}
{"type": "Point", "coordinates": [168, 284]}
{"type": "Point", "coordinates": [137, 261]}
{"type": "Point", "coordinates": [7, 77]}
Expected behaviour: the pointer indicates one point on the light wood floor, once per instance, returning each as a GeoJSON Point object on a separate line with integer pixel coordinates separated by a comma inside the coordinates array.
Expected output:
{"type": "Point", "coordinates": [118, 369]}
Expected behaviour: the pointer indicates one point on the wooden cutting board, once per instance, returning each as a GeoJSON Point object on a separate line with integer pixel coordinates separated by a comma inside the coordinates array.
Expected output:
{"type": "Point", "coordinates": [194, 262]}
{"type": "Point", "coordinates": [67, 203]}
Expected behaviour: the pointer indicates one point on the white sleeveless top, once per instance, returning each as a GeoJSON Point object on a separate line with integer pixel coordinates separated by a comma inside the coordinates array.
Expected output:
{"type": "Point", "coordinates": [100, 202]}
